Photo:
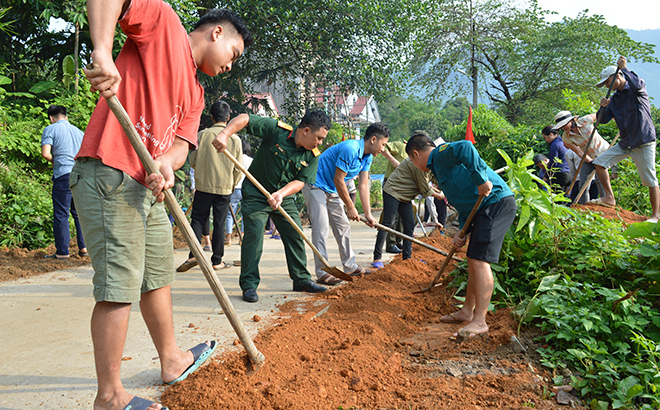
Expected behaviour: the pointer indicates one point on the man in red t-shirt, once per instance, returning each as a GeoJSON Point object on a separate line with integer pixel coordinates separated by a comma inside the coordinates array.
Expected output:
{"type": "Point", "coordinates": [130, 238]}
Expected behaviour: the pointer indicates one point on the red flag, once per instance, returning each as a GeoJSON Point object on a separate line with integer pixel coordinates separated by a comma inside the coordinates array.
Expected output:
{"type": "Point", "coordinates": [468, 132]}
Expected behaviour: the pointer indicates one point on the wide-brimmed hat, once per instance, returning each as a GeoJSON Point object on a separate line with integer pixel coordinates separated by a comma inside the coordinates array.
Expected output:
{"type": "Point", "coordinates": [605, 74]}
{"type": "Point", "coordinates": [562, 118]}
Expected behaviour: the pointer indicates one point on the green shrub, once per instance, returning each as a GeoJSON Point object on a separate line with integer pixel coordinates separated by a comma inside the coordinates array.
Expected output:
{"type": "Point", "coordinates": [26, 220]}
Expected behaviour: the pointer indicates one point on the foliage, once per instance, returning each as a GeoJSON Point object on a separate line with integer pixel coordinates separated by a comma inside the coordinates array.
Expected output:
{"type": "Point", "coordinates": [26, 220]}
{"type": "Point", "coordinates": [302, 46]}
{"type": "Point", "coordinates": [598, 331]}
{"type": "Point", "coordinates": [525, 59]}
{"type": "Point", "coordinates": [404, 116]}
{"type": "Point", "coordinates": [628, 189]}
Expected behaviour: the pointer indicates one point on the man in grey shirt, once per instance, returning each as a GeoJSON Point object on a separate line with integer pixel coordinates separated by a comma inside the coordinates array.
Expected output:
{"type": "Point", "coordinates": [60, 143]}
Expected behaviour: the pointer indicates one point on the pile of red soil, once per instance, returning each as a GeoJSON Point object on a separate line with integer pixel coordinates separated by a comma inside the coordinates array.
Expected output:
{"type": "Point", "coordinates": [627, 217]}
{"type": "Point", "coordinates": [18, 263]}
{"type": "Point", "coordinates": [377, 346]}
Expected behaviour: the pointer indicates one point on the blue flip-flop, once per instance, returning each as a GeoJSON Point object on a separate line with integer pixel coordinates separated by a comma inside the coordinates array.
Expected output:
{"type": "Point", "coordinates": [138, 403]}
{"type": "Point", "coordinates": [201, 352]}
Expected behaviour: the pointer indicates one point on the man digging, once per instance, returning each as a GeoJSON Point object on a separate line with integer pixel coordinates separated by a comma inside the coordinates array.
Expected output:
{"type": "Point", "coordinates": [285, 161]}
{"type": "Point", "coordinates": [631, 109]}
{"type": "Point", "coordinates": [463, 176]}
{"type": "Point", "coordinates": [128, 234]}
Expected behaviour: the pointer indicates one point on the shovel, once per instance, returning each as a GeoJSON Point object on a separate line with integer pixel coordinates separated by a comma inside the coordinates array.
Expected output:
{"type": "Point", "coordinates": [593, 132]}
{"type": "Point", "coordinates": [410, 238]}
{"type": "Point", "coordinates": [461, 234]}
{"type": "Point", "coordinates": [330, 269]}
{"type": "Point", "coordinates": [256, 357]}
{"type": "Point", "coordinates": [238, 228]}
{"type": "Point", "coordinates": [591, 175]}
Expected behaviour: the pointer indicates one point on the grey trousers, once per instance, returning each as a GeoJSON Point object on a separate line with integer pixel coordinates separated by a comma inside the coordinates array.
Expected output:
{"type": "Point", "coordinates": [327, 210]}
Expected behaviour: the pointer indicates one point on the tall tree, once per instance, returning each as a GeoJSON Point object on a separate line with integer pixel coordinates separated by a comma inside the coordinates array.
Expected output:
{"type": "Point", "coordinates": [527, 60]}
{"type": "Point", "coordinates": [335, 44]}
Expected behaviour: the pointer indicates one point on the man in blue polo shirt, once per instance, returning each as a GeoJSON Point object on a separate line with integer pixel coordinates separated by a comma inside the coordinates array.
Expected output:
{"type": "Point", "coordinates": [328, 196]}
{"type": "Point", "coordinates": [463, 176]}
{"type": "Point", "coordinates": [559, 172]}
{"type": "Point", "coordinates": [60, 143]}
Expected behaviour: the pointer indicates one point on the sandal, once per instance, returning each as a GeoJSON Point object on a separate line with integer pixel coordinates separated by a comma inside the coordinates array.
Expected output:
{"type": "Point", "coordinates": [361, 271]}
{"type": "Point", "coordinates": [223, 265]}
{"type": "Point", "coordinates": [328, 280]}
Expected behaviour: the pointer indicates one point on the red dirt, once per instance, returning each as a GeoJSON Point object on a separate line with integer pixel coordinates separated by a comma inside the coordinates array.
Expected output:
{"type": "Point", "coordinates": [18, 263]}
{"type": "Point", "coordinates": [615, 213]}
{"type": "Point", "coordinates": [379, 346]}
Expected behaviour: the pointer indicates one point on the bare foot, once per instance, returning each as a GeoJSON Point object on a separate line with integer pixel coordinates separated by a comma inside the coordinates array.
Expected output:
{"type": "Point", "coordinates": [472, 329]}
{"type": "Point", "coordinates": [172, 368]}
{"type": "Point", "coordinates": [456, 317]}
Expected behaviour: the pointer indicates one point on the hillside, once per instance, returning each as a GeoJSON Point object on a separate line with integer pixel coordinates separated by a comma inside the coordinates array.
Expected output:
{"type": "Point", "coordinates": [648, 71]}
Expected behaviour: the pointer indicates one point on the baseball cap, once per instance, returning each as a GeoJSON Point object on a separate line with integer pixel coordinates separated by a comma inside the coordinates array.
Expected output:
{"type": "Point", "coordinates": [605, 74]}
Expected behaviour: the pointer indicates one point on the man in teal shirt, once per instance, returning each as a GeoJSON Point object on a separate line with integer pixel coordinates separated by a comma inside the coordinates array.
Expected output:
{"type": "Point", "coordinates": [285, 161]}
{"type": "Point", "coordinates": [463, 176]}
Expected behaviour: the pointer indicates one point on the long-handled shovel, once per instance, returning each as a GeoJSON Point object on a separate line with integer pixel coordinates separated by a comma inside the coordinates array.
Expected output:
{"type": "Point", "coordinates": [462, 234]}
{"type": "Point", "coordinates": [256, 357]}
{"type": "Point", "coordinates": [409, 238]}
{"type": "Point", "coordinates": [238, 228]}
{"type": "Point", "coordinates": [593, 132]}
{"type": "Point", "coordinates": [330, 269]}
{"type": "Point", "coordinates": [586, 184]}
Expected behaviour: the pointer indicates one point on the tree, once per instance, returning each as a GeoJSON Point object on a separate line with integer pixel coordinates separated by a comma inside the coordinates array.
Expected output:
{"type": "Point", "coordinates": [302, 46]}
{"type": "Point", "coordinates": [527, 60]}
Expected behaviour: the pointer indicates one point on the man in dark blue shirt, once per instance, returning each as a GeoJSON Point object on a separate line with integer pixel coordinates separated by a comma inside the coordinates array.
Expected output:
{"type": "Point", "coordinates": [559, 172]}
{"type": "Point", "coordinates": [631, 109]}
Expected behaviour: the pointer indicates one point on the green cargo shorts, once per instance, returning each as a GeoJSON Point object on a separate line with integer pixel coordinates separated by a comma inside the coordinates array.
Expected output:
{"type": "Point", "coordinates": [128, 233]}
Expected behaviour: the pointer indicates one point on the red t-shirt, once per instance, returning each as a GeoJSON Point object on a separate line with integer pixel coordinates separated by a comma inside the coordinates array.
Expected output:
{"type": "Point", "coordinates": [159, 90]}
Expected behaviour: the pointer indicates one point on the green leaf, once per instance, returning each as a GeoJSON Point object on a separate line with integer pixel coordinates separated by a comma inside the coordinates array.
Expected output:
{"type": "Point", "coordinates": [42, 86]}
{"type": "Point", "coordinates": [4, 80]}
{"type": "Point", "coordinates": [547, 283]}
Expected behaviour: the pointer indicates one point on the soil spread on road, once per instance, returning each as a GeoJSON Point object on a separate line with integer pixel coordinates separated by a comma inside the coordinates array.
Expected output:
{"type": "Point", "coordinates": [373, 344]}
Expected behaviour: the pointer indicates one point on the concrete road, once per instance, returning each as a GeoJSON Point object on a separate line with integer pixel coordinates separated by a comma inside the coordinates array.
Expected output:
{"type": "Point", "coordinates": [46, 356]}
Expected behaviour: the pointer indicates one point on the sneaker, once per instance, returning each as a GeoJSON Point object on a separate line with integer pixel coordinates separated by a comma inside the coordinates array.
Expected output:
{"type": "Point", "coordinates": [393, 249]}
{"type": "Point", "coordinates": [377, 265]}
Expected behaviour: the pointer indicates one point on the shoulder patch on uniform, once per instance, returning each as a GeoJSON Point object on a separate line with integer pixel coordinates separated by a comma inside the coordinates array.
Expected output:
{"type": "Point", "coordinates": [284, 125]}
{"type": "Point", "coordinates": [443, 146]}
{"type": "Point", "coordinates": [316, 152]}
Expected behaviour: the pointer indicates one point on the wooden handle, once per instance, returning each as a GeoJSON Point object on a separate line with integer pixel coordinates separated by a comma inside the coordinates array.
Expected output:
{"type": "Point", "coordinates": [264, 191]}
{"type": "Point", "coordinates": [409, 238]}
{"type": "Point", "coordinates": [593, 132]}
{"type": "Point", "coordinates": [462, 234]}
{"type": "Point", "coordinates": [149, 165]}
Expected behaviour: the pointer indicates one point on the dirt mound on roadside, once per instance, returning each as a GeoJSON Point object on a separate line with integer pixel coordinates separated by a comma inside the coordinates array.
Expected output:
{"type": "Point", "coordinates": [372, 344]}
{"type": "Point", "coordinates": [627, 217]}
{"type": "Point", "coordinates": [18, 263]}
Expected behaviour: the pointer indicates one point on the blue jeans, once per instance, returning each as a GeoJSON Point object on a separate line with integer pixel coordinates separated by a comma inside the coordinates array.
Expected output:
{"type": "Point", "coordinates": [62, 205]}
{"type": "Point", "coordinates": [236, 198]}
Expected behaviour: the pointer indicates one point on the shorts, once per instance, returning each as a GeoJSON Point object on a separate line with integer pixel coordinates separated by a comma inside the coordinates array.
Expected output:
{"type": "Point", "coordinates": [489, 228]}
{"type": "Point", "coordinates": [643, 157]}
{"type": "Point", "coordinates": [128, 233]}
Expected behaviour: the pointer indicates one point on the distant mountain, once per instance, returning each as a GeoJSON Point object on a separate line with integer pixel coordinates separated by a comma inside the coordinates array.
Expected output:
{"type": "Point", "coordinates": [648, 71]}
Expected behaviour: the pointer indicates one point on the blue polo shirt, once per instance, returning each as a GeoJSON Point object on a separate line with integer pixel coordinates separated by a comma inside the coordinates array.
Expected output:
{"type": "Point", "coordinates": [347, 156]}
{"type": "Point", "coordinates": [459, 169]}
{"type": "Point", "coordinates": [65, 140]}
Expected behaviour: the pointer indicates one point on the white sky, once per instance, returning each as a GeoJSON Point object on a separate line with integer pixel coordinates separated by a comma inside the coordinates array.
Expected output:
{"type": "Point", "coordinates": [626, 14]}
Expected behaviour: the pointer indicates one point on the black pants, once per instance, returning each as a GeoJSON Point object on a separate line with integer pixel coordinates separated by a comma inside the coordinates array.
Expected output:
{"type": "Point", "coordinates": [202, 205]}
{"type": "Point", "coordinates": [392, 207]}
